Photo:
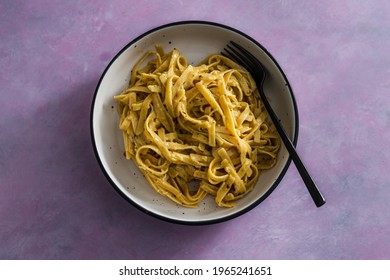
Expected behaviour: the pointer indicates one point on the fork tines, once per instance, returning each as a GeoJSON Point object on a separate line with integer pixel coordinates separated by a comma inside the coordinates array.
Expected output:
{"type": "Point", "coordinates": [242, 56]}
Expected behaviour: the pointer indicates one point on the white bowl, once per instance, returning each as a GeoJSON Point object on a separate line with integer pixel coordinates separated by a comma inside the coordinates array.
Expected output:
{"type": "Point", "coordinates": [195, 40]}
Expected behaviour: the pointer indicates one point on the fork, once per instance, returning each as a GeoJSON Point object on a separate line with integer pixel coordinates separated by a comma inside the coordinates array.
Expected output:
{"type": "Point", "coordinates": [243, 57]}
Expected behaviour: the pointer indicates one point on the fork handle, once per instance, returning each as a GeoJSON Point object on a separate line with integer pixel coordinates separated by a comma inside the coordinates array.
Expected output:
{"type": "Point", "coordinates": [315, 193]}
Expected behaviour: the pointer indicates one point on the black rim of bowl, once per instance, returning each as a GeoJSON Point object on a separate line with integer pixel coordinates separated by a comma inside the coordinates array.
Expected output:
{"type": "Point", "coordinates": [204, 222]}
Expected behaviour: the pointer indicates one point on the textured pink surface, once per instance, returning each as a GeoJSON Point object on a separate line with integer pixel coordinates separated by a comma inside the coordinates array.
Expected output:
{"type": "Point", "coordinates": [55, 203]}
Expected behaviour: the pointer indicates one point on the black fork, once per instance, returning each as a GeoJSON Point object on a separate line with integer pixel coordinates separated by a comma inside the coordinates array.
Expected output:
{"type": "Point", "coordinates": [243, 57]}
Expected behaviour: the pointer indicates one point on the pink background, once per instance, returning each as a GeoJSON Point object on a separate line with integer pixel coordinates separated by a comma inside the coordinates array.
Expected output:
{"type": "Point", "coordinates": [55, 202]}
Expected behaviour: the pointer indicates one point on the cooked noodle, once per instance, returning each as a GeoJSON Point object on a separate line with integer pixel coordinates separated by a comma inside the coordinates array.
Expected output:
{"type": "Point", "coordinates": [203, 125]}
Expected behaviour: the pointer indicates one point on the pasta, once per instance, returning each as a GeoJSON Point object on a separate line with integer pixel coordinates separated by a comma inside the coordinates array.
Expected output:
{"type": "Point", "coordinates": [196, 130]}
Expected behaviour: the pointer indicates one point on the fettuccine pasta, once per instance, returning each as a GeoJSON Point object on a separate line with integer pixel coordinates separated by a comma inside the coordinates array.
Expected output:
{"type": "Point", "coordinates": [196, 130]}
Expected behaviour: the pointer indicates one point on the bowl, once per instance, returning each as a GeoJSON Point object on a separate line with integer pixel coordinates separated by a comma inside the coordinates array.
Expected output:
{"type": "Point", "coordinates": [195, 40]}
